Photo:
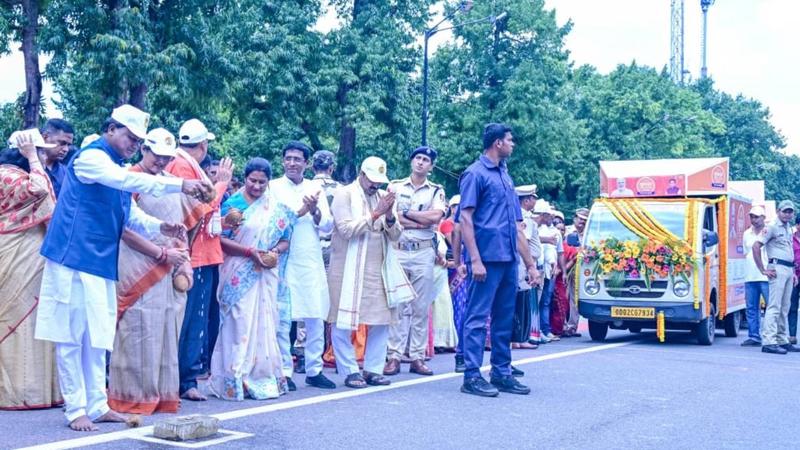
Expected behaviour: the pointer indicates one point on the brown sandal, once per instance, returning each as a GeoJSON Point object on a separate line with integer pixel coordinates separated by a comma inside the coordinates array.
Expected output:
{"type": "Point", "coordinates": [355, 381]}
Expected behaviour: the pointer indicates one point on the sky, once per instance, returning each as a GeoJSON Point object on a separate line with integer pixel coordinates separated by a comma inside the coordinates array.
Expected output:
{"type": "Point", "coordinates": [751, 47]}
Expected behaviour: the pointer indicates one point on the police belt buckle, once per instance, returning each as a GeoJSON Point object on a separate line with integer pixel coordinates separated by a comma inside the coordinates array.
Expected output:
{"type": "Point", "coordinates": [781, 262]}
{"type": "Point", "coordinates": [411, 246]}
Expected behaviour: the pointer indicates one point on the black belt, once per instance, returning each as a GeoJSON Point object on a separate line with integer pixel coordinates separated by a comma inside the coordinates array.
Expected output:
{"type": "Point", "coordinates": [781, 262]}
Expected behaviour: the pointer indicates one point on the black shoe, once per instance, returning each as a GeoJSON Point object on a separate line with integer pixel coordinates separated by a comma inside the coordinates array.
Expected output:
{"type": "Point", "coordinates": [751, 343]}
{"type": "Point", "coordinates": [320, 381]}
{"type": "Point", "coordinates": [511, 385]}
{"type": "Point", "coordinates": [478, 386]}
{"type": "Point", "coordinates": [460, 366]}
{"type": "Point", "coordinates": [790, 348]}
{"type": "Point", "coordinates": [516, 372]}
{"type": "Point", "coordinates": [290, 384]}
{"type": "Point", "coordinates": [300, 364]}
{"type": "Point", "coordinates": [773, 349]}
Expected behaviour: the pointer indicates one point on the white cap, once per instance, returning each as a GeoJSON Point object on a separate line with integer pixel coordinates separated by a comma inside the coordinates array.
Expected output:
{"type": "Point", "coordinates": [193, 132]}
{"type": "Point", "coordinates": [542, 207]}
{"type": "Point", "coordinates": [757, 211]}
{"type": "Point", "coordinates": [161, 142]}
{"type": "Point", "coordinates": [375, 169]}
{"type": "Point", "coordinates": [89, 139]}
{"type": "Point", "coordinates": [559, 214]}
{"type": "Point", "coordinates": [33, 134]}
{"type": "Point", "coordinates": [132, 118]}
{"type": "Point", "coordinates": [455, 200]}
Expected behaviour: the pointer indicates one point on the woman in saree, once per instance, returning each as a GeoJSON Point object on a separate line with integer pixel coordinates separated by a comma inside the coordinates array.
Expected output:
{"type": "Point", "coordinates": [246, 361]}
{"type": "Point", "coordinates": [28, 377]}
{"type": "Point", "coordinates": [154, 275]}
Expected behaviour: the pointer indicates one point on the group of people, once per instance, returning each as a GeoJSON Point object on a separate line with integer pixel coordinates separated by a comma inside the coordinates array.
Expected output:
{"type": "Point", "coordinates": [772, 273]}
{"type": "Point", "coordinates": [196, 286]}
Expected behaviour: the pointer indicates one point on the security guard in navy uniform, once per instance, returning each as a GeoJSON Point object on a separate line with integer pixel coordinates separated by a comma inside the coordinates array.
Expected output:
{"type": "Point", "coordinates": [419, 207]}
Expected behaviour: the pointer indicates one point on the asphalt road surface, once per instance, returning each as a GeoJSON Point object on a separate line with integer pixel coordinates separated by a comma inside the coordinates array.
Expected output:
{"type": "Point", "coordinates": [628, 392]}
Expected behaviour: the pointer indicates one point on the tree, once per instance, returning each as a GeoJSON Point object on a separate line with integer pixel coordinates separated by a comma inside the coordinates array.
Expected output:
{"type": "Point", "coordinates": [515, 72]}
{"type": "Point", "coordinates": [19, 21]}
{"type": "Point", "coordinates": [751, 141]}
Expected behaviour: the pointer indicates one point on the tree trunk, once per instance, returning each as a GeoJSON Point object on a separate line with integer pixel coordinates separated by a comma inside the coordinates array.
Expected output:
{"type": "Point", "coordinates": [312, 134]}
{"type": "Point", "coordinates": [347, 137]}
{"type": "Point", "coordinates": [30, 52]}
{"type": "Point", "coordinates": [138, 96]}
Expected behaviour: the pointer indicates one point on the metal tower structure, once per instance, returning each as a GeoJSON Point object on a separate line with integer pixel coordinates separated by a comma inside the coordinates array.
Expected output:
{"type": "Point", "coordinates": [676, 69]}
{"type": "Point", "coordinates": [704, 4]}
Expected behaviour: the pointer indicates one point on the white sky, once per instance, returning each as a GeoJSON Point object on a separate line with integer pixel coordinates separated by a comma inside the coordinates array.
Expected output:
{"type": "Point", "coordinates": [751, 47]}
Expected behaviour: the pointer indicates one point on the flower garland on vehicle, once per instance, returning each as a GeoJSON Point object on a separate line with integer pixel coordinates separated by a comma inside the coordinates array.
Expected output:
{"type": "Point", "coordinates": [648, 259]}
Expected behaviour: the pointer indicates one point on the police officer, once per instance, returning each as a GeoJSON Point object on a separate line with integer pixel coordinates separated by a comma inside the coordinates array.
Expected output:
{"type": "Point", "coordinates": [777, 238]}
{"type": "Point", "coordinates": [420, 205]}
{"type": "Point", "coordinates": [323, 163]}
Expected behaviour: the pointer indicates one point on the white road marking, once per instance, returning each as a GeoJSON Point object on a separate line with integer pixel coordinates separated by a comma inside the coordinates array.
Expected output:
{"type": "Point", "coordinates": [228, 436]}
{"type": "Point", "coordinates": [139, 433]}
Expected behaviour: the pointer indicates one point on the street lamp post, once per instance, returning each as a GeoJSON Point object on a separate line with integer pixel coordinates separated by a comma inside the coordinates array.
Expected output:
{"type": "Point", "coordinates": [463, 7]}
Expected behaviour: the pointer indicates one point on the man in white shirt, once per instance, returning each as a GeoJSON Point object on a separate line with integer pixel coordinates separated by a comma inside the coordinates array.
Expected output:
{"type": "Point", "coordinates": [756, 284]}
{"type": "Point", "coordinates": [77, 301]}
{"type": "Point", "coordinates": [552, 252]}
{"type": "Point", "coordinates": [305, 270]}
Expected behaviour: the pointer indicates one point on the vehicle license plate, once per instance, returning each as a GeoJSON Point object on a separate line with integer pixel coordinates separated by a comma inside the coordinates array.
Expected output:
{"type": "Point", "coordinates": [633, 313]}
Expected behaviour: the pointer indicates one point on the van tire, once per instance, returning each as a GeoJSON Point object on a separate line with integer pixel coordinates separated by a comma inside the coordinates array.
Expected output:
{"type": "Point", "coordinates": [706, 328]}
{"type": "Point", "coordinates": [598, 330]}
{"type": "Point", "coordinates": [732, 322]}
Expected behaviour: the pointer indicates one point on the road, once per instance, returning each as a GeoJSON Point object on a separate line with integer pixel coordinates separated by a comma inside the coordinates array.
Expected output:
{"type": "Point", "coordinates": [630, 391]}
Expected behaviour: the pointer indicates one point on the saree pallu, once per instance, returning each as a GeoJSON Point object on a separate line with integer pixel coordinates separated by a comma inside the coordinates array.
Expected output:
{"type": "Point", "coordinates": [246, 359]}
{"type": "Point", "coordinates": [28, 376]}
{"type": "Point", "coordinates": [143, 369]}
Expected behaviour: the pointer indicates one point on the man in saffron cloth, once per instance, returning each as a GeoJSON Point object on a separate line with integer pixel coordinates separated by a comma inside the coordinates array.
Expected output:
{"type": "Point", "coordinates": [78, 298]}
{"type": "Point", "coordinates": [492, 232]}
{"type": "Point", "coordinates": [201, 316]}
{"type": "Point", "coordinates": [305, 278]}
{"type": "Point", "coordinates": [366, 280]}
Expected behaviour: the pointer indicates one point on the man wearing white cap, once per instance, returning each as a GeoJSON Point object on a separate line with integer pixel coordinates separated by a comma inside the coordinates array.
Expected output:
{"type": "Point", "coordinates": [756, 284]}
{"type": "Point", "coordinates": [527, 293]}
{"type": "Point", "coordinates": [553, 262]}
{"type": "Point", "coordinates": [77, 302]}
{"type": "Point", "coordinates": [365, 279]}
{"type": "Point", "coordinates": [201, 317]}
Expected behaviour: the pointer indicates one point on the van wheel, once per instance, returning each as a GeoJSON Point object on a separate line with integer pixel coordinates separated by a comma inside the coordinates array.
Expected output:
{"type": "Point", "coordinates": [598, 330]}
{"type": "Point", "coordinates": [732, 322]}
{"type": "Point", "coordinates": [706, 328]}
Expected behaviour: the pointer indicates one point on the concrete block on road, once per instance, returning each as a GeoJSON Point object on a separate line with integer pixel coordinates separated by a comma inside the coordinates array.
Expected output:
{"type": "Point", "coordinates": [186, 427]}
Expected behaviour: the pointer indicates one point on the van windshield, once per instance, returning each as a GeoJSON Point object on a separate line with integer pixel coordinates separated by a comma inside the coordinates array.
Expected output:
{"type": "Point", "coordinates": [603, 225]}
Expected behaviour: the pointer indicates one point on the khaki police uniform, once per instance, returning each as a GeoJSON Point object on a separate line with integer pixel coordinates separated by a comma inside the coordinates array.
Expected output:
{"type": "Point", "coordinates": [777, 239]}
{"type": "Point", "coordinates": [416, 250]}
{"type": "Point", "coordinates": [328, 186]}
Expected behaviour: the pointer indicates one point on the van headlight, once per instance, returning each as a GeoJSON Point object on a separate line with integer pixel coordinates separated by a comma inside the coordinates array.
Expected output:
{"type": "Point", "coordinates": [591, 286]}
{"type": "Point", "coordinates": [680, 288]}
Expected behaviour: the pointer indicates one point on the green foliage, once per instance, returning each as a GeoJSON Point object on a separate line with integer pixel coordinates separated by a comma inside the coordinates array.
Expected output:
{"type": "Point", "coordinates": [260, 72]}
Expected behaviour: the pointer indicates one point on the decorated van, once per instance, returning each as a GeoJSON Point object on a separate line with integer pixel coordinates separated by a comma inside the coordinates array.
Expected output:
{"type": "Point", "coordinates": [663, 249]}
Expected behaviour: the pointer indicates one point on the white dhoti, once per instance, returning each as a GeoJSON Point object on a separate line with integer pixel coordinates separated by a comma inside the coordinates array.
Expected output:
{"type": "Point", "coordinates": [77, 311]}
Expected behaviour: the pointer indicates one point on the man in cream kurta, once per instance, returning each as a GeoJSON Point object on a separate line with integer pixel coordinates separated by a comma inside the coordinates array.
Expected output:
{"type": "Point", "coordinates": [78, 306]}
{"type": "Point", "coordinates": [305, 271]}
{"type": "Point", "coordinates": [365, 278]}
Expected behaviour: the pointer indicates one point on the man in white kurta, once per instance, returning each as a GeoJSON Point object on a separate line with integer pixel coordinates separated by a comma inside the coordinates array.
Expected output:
{"type": "Point", "coordinates": [305, 270]}
{"type": "Point", "coordinates": [77, 309]}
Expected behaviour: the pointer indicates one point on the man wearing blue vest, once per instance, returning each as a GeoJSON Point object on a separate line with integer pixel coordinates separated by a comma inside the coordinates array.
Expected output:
{"type": "Point", "coordinates": [77, 301]}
